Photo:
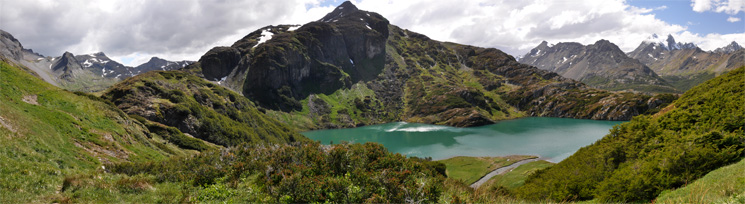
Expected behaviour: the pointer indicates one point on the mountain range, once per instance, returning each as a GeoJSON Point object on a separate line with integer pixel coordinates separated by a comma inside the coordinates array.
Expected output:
{"type": "Point", "coordinates": [685, 65]}
{"type": "Point", "coordinates": [353, 68]}
{"type": "Point", "coordinates": [656, 66]}
{"type": "Point", "coordinates": [226, 128]}
{"type": "Point", "coordinates": [601, 65]}
{"type": "Point", "coordinates": [90, 72]}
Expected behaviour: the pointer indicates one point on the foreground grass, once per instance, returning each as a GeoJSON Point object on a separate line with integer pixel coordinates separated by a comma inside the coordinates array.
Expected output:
{"type": "Point", "coordinates": [47, 134]}
{"type": "Point", "coordinates": [471, 169]}
{"type": "Point", "coordinates": [724, 185]}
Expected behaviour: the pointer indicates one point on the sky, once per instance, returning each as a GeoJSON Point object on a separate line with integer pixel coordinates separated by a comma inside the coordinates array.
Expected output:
{"type": "Point", "coordinates": [133, 31]}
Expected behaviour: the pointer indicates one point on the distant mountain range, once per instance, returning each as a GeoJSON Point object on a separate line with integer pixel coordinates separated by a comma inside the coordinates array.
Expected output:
{"type": "Point", "coordinates": [656, 66]}
{"type": "Point", "coordinates": [601, 65]}
{"type": "Point", "coordinates": [685, 65]}
{"type": "Point", "coordinates": [90, 72]}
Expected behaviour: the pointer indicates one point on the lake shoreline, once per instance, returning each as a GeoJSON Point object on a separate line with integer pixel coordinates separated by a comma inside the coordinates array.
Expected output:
{"type": "Point", "coordinates": [551, 138]}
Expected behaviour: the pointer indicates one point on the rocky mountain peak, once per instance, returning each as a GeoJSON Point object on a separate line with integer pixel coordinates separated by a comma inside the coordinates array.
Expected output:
{"type": "Point", "coordinates": [602, 65]}
{"type": "Point", "coordinates": [68, 55]}
{"type": "Point", "coordinates": [732, 47]}
{"type": "Point", "coordinates": [671, 42]}
{"type": "Point", "coordinates": [605, 45]}
{"type": "Point", "coordinates": [345, 8]}
{"type": "Point", "coordinates": [9, 46]}
{"type": "Point", "coordinates": [668, 44]}
{"type": "Point", "coordinates": [541, 48]}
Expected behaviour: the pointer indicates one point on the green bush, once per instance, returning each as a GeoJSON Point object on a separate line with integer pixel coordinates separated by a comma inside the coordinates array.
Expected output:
{"type": "Point", "coordinates": [698, 133]}
{"type": "Point", "coordinates": [302, 173]}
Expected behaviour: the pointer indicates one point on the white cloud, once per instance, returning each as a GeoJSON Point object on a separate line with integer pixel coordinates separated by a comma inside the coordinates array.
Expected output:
{"type": "Point", "coordinates": [733, 19]}
{"type": "Point", "coordinates": [720, 6]}
{"type": "Point", "coordinates": [135, 30]}
{"type": "Point", "coordinates": [710, 41]}
{"type": "Point", "coordinates": [517, 26]}
{"type": "Point", "coordinates": [170, 29]}
{"type": "Point", "coordinates": [701, 5]}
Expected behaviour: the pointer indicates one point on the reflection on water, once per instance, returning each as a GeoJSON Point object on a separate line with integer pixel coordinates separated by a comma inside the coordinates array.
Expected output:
{"type": "Point", "coordinates": [552, 138]}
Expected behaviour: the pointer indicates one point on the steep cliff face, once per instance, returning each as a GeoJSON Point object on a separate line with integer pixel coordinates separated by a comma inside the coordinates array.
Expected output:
{"type": "Point", "coordinates": [10, 47]}
{"type": "Point", "coordinates": [353, 68]}
{"type": "Point", "coordinates": [320, 57]}
{"type": "Point", "coordinates": [601, 65]}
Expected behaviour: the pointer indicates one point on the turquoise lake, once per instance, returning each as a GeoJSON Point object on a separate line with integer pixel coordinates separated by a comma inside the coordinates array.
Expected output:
{"type": "Point", "coordinates": [551, 138]}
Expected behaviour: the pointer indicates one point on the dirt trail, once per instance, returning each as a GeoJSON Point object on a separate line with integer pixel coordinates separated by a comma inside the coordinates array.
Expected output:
{"type": "Point", "coordinates": [501, 171]}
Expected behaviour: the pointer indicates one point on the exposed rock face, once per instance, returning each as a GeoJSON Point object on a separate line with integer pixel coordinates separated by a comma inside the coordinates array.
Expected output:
{"type": "Point", "coordinates": [219, 62]}
{"type": "Point", "coordinates": [319, 57]}
{"type": "Point", "coordinates": [67, 67]}
{"type": "Point", "coordinates": [601, 65]}
{"type": "Point", "coordinates": [10, 47]}
{"type": "Point", "coordinates": [686, 65]}
{"type": "Point", "coordinates": [351, 68]}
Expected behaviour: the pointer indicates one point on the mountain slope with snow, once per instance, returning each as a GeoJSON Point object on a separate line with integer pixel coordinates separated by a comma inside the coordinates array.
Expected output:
{"type": "Point", "coordinates": [601, 65]}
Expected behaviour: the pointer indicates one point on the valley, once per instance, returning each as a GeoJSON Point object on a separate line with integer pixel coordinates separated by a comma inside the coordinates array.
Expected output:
{"type": "Point", "coordinates": [351, 108]}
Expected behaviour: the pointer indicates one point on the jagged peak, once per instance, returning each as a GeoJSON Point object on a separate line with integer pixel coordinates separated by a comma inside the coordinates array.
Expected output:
{"type": "Point", "coordinates": [604, 43]}
{"type": "Point", "coordinates": [340, 11]}
{"type": "Point", "coordinates": [733, 46]}
{"type": "Point", "coordinates": [348, 6]}
{"type": "Point", "coordinates": [8, 35]}
{"type": "Point", "coordinates": [654, 38]}
{"type": "Point", "coordinates": [68, 54]}
{"type": "Point", "coordinates": [97, 55]}
{"type": "Point", "coordinates": [668, 44]}
{"type": "Point", "coordinates": [670, 39]}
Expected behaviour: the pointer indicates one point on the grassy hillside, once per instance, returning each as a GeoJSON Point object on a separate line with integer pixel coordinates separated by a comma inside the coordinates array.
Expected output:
{"type": "Point", "coordinates": [197, 107]}
{"type": "Point", "coordinates": [724, 185]}
{"type": "Point", "coordinates": [471, 169]}
{"type": "Point", "coordinates": [698, 133]}
{"type": "Point", "coordinates": [515, 177]}
{"type": "Point", "coordinates": [48, 134]}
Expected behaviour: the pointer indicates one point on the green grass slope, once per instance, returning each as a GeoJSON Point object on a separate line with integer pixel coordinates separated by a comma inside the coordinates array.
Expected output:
{"type": "Point", "coordinates": [515, 177]}
{"type": "Point", "coordinates": [471, 169]}
{"type": "Point", "coordinates": [698, 133]}
{"type": "Point", "coordinates": [724, 185]}
{"type": "Point", "coordinates": [199, 108]}
{"type": "Point", "coordinates": [48, 134]}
